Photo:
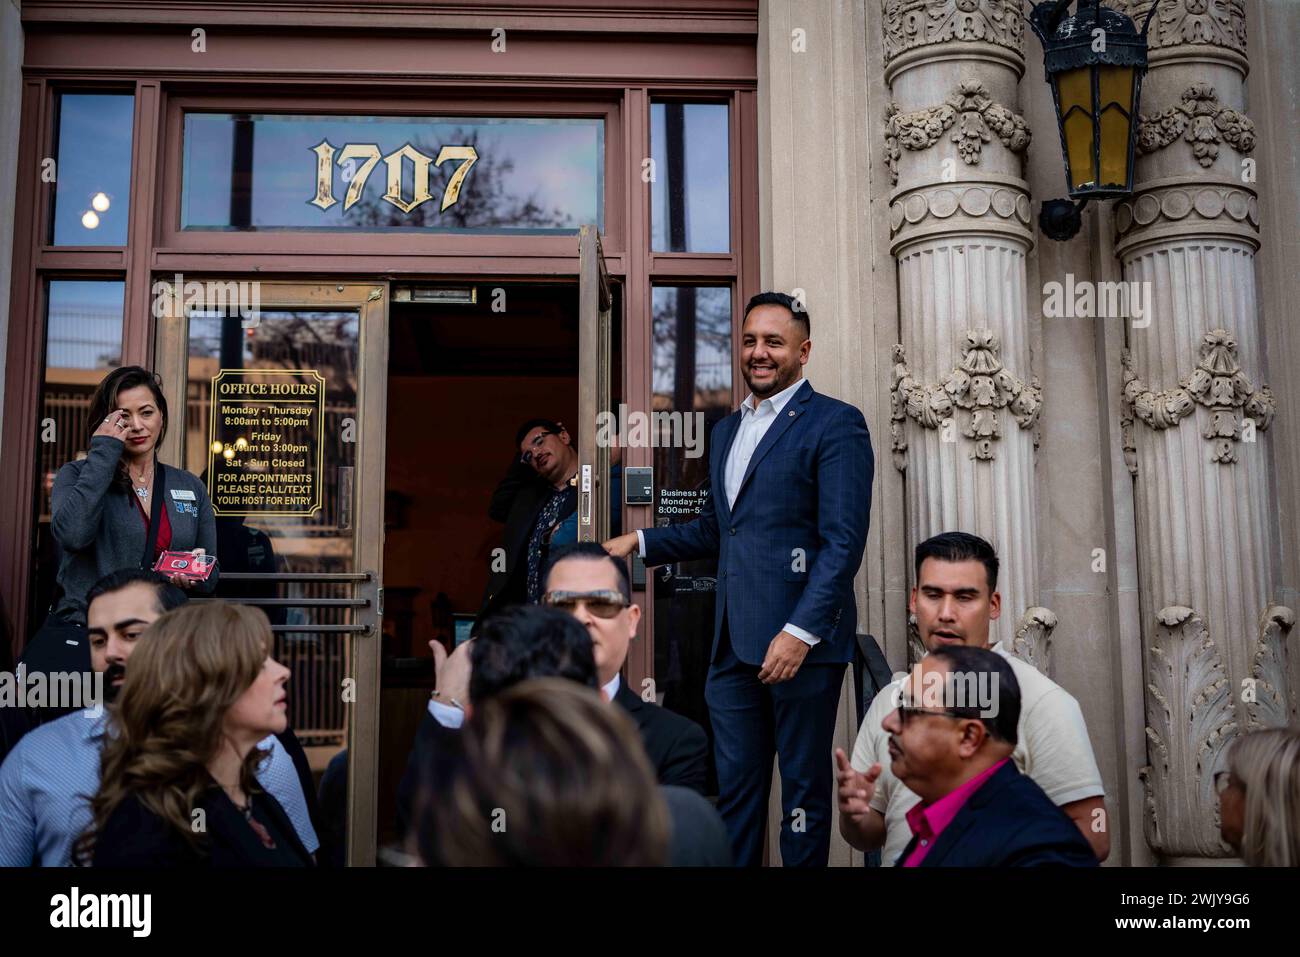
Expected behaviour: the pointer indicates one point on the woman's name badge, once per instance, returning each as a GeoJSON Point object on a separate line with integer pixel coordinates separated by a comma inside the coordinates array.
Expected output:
{"type": "Point", "coordinates": [182, 494]}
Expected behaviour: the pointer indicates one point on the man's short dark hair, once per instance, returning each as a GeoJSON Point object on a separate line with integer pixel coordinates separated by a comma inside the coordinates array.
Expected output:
{"type": "Point", "coordinates": [797, 309]}
{"type": "Point", "coordinates": [169, 596]}
{"type": "Point", "coordinates": [550, 425]}
{"type": "Point", "coordinates": [591, 552]}
{"type": "Point", "coordinates": [968, 660]}
{"type": "Point", "coordinates": [959, 547]}
{"type": "Point", "coordinates": [529, 641]}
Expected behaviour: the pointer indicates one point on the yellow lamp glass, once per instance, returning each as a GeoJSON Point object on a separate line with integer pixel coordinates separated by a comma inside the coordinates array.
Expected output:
{"type": "Point", "coordinates": [1115, 96]}
{"type": "Point", "coordinates": [1074, 99]}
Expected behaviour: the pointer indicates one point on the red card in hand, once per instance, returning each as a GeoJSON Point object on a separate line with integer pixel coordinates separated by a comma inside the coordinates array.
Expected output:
{"type": "Point", "coordinates": [185, 564]}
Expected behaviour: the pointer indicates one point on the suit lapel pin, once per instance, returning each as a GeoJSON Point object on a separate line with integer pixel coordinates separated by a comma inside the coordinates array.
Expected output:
{"type": "Point", "coordinates": [793, 413]}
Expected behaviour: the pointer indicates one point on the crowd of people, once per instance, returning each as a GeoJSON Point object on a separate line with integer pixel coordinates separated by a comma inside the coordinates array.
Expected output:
{"type": "Point", "coordinates": [533, 749]}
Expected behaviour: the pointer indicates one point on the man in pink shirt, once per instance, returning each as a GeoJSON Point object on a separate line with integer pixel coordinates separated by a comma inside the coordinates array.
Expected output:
{"type": "Point", "coordinates": [951, 739]}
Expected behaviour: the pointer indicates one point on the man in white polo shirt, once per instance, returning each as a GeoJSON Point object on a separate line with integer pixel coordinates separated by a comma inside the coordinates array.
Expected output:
{"type": "Point", "coordinates": [954, 600]}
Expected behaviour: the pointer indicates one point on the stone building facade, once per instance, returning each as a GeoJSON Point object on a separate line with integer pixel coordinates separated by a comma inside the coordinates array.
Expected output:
{"type": "Point", "coordinates": [1136, 475]}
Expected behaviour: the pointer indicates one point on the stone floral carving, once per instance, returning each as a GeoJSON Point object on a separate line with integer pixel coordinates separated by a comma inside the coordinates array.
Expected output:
{"type": "Point", "coordinates": [913, 23]}
{"type": "Point", "coordinates": [1201, 120]}
{"type": "Point", "coordinates": [974, 114]}
{"type": "Point", "coordinates": [1032, 641]}
{"type": "Point", "coordinates": [915, 646]}
{"type": "Point", "coordinates": [1126, 425]}
{"type": "Point", "coordinates": [979, 383]}
{"type": "Point", "coordinates": [1181, 22]}
{"type": "Point", "coordinates": [1268, 705]}
{"type": "Point", "coordinates": [1189, 722]}
{"type": "Point", "coordinates": [1218, 384]}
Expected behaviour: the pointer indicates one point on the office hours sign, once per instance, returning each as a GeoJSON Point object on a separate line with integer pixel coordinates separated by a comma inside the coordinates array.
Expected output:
{"type": "Point", "coordinates": [264, 446]}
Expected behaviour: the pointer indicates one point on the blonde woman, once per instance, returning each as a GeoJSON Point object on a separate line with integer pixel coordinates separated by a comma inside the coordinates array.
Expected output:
{"type": "Point", "coordinates": [177, 785]}
{"type": "Point", "coordinates": [1259, 798]}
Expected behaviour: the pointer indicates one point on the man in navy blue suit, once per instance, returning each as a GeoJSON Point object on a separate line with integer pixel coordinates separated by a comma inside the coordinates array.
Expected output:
{"type": "Point", "coordinates": [790, 473]}
{"type": "Point", "coordinates": [951, 736]}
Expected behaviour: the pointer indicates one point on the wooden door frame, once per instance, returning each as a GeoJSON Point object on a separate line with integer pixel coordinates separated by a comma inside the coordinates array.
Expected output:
{"type": "Point", "coordinates": [370, 300]}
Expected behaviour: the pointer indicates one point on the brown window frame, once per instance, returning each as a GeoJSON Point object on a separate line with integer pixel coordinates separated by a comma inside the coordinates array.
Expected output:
{"type": "Point", "coordinates": [157, 247]}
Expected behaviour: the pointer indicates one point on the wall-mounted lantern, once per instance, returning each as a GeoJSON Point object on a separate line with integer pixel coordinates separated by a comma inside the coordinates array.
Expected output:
{"type": "Point", "coordinates": [1095, 61]}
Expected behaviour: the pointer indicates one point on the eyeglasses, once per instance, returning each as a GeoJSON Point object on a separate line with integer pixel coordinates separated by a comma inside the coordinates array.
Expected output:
{"type": "Point", "coordinates": [527, 457]}
{"type": "Point", "coordinates": [905, 711]}
{"type": "Point", "coordinates": [1222, 781]}
{"type": "Point", "coordinates": [603, 603]}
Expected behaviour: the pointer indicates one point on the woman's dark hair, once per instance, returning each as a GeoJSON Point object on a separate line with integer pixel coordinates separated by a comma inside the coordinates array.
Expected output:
{"type": "Point", "coordinates": [104, 402]}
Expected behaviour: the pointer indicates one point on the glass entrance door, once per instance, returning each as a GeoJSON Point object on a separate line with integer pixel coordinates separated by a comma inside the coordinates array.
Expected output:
{"type": "Point", "coordinates": [277, 393]}
{"type": "Point", "coordinates": [595, 375]}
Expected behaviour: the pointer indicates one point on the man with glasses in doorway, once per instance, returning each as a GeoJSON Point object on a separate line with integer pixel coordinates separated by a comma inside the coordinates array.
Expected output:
{"type": "Point", "coordinates": [537, 500]}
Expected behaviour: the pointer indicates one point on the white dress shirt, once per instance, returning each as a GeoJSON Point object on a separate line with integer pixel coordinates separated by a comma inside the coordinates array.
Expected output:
{"type": "Point", "coordinates": [446, 715]}
{"type": "Point", "coordinates": [450, 716]}
{"type": "Point", "coordinates": [755, 419]}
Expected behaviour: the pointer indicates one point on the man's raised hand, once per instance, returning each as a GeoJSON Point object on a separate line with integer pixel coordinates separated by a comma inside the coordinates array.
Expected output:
{"type": "Point", "coordinates": [856, 788]}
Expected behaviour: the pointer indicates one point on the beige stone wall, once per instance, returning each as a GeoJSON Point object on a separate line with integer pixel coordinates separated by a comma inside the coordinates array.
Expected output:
{"type": "Point", "coordinates": [1273, 91]}
{"type": "Point", "coordinates": [825, 222]}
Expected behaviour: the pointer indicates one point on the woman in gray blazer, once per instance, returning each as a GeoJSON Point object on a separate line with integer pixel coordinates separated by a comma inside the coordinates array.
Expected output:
{"type": "Point", "coordinates": [104, 505]}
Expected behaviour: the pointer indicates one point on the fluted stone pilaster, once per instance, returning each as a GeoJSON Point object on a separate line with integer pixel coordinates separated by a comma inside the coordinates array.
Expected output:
{"type": "Point", "coordinates": [965, 401]}
{"type": "Point", "coordinates": [1196, 387]}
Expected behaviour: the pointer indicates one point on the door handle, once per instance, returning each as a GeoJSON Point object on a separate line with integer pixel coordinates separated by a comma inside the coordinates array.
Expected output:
{"type": "Point", "coordinates": [584, 504]}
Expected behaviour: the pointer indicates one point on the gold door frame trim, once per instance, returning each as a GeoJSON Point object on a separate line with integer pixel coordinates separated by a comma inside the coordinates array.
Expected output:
{"type": "Point", "coordinates": [370, 300]}
{"type": "Point", "coordinates": [594, 317]}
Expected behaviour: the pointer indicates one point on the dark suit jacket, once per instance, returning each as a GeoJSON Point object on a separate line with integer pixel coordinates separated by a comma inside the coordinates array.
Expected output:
{"type": "Point", "coordinates": [134, 836]}
{"type": "Point", "coordinates": [790, 548]}
{"type": "Point", "coordinates": [677, 746]}
{"type": "Point", "coordinates": [516, 501]}
{"type": "Point", "coordinates": [1008, 822]}
{"type": "Point", "coordinates": [428, 767]}
{"type": "Point", "coordinates": [699, 838]}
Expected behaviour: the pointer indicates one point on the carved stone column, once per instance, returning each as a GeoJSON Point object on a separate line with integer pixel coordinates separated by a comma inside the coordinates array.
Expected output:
{"type": "Point", "coordinates": [965, 402]}
{"type": "Point", "coordinates": [1197, 415]}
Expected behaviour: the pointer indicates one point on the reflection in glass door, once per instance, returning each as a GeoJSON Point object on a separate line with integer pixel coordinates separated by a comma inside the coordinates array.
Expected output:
{"type": "Point", "coordinates": [279, 381]}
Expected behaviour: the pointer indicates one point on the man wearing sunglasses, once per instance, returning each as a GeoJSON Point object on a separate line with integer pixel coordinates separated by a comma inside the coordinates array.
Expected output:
{"type": "Point", "coordinates": [951, 734]}
{"type": "Point", "coordinates": [954, 601]}
{"type": "Point", "coordinates": [586, 582]}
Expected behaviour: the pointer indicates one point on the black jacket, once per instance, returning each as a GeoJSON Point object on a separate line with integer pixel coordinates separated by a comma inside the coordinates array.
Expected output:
{"type": "Point", "coordinates": [516, 501]}
{"type": "Point", "coordinates": [677, 746]}
{"type": "Point", "coordinates": [1008, 822]}
{"type": "Point", "coordinates": [133, 836]}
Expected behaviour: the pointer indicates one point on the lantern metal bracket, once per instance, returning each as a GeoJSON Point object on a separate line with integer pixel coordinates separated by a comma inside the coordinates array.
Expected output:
{"type": "Point", "coordinates": [1061, 219]}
